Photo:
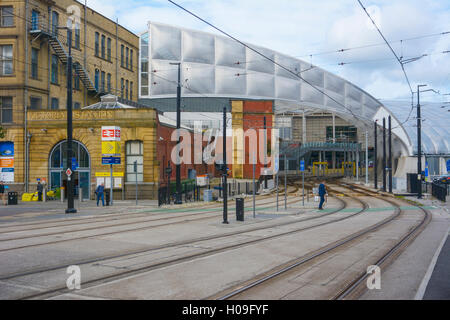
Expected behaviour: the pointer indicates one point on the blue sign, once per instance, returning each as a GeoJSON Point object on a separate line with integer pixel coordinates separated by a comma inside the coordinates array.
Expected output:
{"type": "Point", "coordinates": [110, 160]}
{"type": "Point", "coordinates": [302, 165]}
{"type": "Point", "coordinates": [448, 165]}
{"type": "Point", "coordinates": [74, 164]}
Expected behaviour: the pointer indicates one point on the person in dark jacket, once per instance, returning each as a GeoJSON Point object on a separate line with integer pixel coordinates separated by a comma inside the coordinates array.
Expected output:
{"type": "Point", "coordinates": [40, 188]}
{"type": "Point", "coordinates": [3, 193]}
{"type": "Point", "coordinates": [322, 193]}
{"type": "Point", "coordinates": [100, 194]}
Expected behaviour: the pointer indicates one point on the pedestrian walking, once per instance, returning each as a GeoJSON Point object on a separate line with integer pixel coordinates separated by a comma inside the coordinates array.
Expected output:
{"type": "Point", "coordinates": [100, 194]}
{"type": "Point", "coordinates": [322, 193]}
{"type": "Point", "coordinates": [3, 193]}
{"type": "Point", "coordinates": [40, 189]}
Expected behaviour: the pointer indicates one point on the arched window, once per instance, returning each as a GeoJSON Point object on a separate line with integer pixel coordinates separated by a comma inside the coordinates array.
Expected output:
{"type": "Point", "coordinates": [58, 156]}
{"type": "Point", "coordinates": [135, 152]}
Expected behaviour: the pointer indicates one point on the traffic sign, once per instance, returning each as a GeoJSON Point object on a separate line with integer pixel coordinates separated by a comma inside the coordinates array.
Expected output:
{"type": "Point", "coordinates": [110, 160]}
{"type": "Point", "coordinates": [69, 172]}
{"type": "Point", "coordinates": [302, 165]}
{"type": "Point", "coordinates": [169, 171]}
{"type": "Point", "coordinates": [277, 164]}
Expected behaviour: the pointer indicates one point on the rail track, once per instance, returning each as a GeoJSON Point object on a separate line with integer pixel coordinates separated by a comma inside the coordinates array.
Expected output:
{"type": "Point", "coordinates": [173, 261]}
{"type": "Point", "coordinates": [119, 216]}
{"type": "Point", "coordinates": [355, 286]}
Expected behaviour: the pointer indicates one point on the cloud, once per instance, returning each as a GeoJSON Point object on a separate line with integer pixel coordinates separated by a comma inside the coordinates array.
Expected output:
{"type": "Point", "coordinates": [302, 27]}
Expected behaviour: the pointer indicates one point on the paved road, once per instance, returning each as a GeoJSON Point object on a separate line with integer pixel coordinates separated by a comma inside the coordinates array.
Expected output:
{"type": "Point", "coordinates": [439, 285]}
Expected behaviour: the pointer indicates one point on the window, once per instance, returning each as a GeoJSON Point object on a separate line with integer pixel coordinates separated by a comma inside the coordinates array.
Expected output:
{"type": "Point", "coordinates": [97, 76]}
{"type": "Point", "coordinates": [55, 22]}
{"type": "Point", "coordinates": [76, 81]}
{"type": "Point", "coordinates": [97, 39]}
{"type": "Point", "coordinates": [284, 124]}
{"type": "Point", "coordinates": [6, 16]}
{"type": "Point", "coordinates": [126, 90]}
{"type": "Point", "coordinates": [34, 63]}
{"type": "Point", "coordinates": [103, 46]}
{"type": "Point", "coordinates": [6, 60]}
{"type": "Point", "coordinates": [126, 59]}
{"type": "Point", "coordinates": [55, 104]}
{"type": "Point", "coordinates": [122, 87]}
{"type": "Point", "coordinates": [35, 103]}
{"type": "Point", "coordinates": [109, 49]}
{"type": "Point", "coordinates": [54, 69]}
{"type": "Point", "coordinates": [343, 134]}
{"type": "Point", "coordinates": [134, 152]}
{"type": "Point", "coordinates": [131, 60]}
{"type": "Point", "coordinates": [108, 82]}
{"type": "Point", "coordinates": [6, 109]}
{"type": "Point", "coordinates": [122, 48]}
{"type": "Point", "coordinates": [102, 82]}
{"type": "Point", "coordinates": [34, 20]}
{"type": "Point", "coordinates": [76, 105]}
{"type": "Point", "coordinates": [77, 36]}
{"type": "Point", "coordinates": [131, 90]}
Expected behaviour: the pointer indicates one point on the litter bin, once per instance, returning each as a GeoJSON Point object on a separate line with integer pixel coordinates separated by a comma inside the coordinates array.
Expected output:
{"type": "Point", "coordinates": [107, 197]}
{"type": "Point", "coordinates": [12, 198]}
{"type": "Point", "coordinates": [240, 209]}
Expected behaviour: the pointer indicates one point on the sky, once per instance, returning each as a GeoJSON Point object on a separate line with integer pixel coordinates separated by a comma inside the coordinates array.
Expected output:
{"type": "Point", "coordinates": [304, 28]}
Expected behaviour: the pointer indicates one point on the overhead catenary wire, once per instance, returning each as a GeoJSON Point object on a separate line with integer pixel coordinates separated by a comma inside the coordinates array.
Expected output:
{"type": "Point", "coordinates": [264, 56]}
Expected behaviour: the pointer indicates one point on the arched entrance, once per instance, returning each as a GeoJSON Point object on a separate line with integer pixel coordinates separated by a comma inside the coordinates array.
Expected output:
{"type": "Point", "coordinates": [58, 164]}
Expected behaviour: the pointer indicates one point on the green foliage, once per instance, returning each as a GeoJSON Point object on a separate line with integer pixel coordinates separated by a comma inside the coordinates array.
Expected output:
{"type": "Point", "coordinates": [2, 133]}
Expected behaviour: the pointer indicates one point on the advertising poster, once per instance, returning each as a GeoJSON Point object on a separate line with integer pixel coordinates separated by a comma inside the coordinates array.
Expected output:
{"type": "Point", "coordinates": [7, 161]}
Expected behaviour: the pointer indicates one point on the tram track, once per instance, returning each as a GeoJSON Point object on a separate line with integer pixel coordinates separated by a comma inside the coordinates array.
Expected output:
{"type": "Point", "coordinates": [119, 216]}
{"type": "Point", "coordinates": [185, 258]}
{"type": "Point", "coordinates": [351, 288]}
{"type": "Point", "coordinates": [119, 224]}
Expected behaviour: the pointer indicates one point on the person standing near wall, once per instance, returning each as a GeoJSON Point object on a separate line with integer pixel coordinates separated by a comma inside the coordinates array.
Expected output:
{"type": "Point", "coordinates": [100, 194]}
{"type": "Point", "coordinates": [3, 193]}
{"type": "Point", "coordinates": [40, 189]}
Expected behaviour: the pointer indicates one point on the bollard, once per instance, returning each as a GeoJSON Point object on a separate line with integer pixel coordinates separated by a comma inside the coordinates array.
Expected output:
{"type": "Point", "coordinates": [80, 195]}
{"type": "Point", "coordinates": [44, 195]}
{"type": "Point", "coordinates": [62, 195]}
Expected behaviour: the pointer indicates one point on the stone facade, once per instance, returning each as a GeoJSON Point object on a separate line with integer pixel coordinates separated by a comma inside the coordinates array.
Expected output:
{"type": "Point", "coordinates": [30, 85]}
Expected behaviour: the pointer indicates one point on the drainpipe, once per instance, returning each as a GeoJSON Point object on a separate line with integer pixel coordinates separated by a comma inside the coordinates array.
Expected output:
{"type": "Point", "coordinates": [85, 55]}
{"type": "Point", "coordinates": [49, 59]}
{"type": "Point", "coordinates": [25, 99]}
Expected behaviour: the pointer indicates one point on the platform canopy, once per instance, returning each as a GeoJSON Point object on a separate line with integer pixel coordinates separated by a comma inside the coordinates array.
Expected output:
{"type": "Point", "coordinates": [215, 66]}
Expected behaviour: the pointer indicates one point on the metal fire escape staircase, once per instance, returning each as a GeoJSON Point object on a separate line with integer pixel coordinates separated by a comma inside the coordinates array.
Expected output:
{"type": "Point", "coordinates": [62, 54]}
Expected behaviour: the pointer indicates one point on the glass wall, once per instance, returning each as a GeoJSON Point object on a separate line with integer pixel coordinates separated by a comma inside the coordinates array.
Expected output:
{"type": "Point", "coordinates": [144, 89]}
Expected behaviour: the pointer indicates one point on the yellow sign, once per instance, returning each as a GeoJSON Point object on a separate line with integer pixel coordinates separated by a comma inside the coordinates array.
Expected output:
{"type": "Point", "coordinates": [108, 174]}
{"type": "Point", "coordinates": [111, 148]}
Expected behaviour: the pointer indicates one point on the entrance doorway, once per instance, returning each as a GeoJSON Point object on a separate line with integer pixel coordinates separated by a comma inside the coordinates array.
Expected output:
{"type": "Point", "coordinates": [58, 164]}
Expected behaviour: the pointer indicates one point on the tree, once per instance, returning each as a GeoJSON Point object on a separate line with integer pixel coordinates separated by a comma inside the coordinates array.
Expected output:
{"type": "Point", "coordinates": [2, 133]}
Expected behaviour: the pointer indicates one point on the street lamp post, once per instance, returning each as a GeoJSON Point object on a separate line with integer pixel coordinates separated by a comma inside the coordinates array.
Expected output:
{"type": "Point", "coordinates": [178, 165]}
{"type": "Point", "coordinates": [70, 196]}
{"type": "Point", "coordinates": [419, 142]}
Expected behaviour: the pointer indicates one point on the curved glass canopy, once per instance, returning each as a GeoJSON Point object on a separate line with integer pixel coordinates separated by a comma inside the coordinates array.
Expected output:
{"type": "Point", "coordinates": [216, 66]}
